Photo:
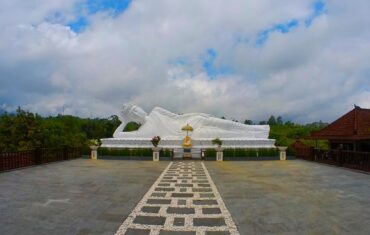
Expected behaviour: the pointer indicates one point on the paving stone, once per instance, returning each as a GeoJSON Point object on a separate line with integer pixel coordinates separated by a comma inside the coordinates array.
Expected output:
{"type": "Point", "coordinates": [150, 220]}
{"type": "Point", "coordinates": [168, 181]}
{"type": "Point", "coordinates": [206, 195]}
{"type": "Point", "coordinates": [189, 180]}
{"type": "Point", "coordinates": [134, 231]}
{"type": "Point", "coordinates": [181, 202]}
{"type": "Point", "coordinates": [180, 210]}
{"type": "Point", "coordinates": [184, 185]}
{"type": "Point", "coordinates": [182, 194]}
{"type": "Point", "coordinates": [202, 190]}
{"type": "Point", "coordinates": [217, 233]}
{"type": "Point", "coordinates": [159, 201]}
{"type": "Point", "coordinates": [158, 194]}
{"type": "Point", "coordinates": [200, 181]}
{"type": "Point", "coordinates": [204, 202]}
{"type": "Point", "coordinates": [214, 210]}
{"type": "Point", "coordinates": [151, 209]}
{"type": "Point", "coordinates": [179, 222]}
{"type": "Point", "coordinates": [164, 232]}
{"type": "Point", "coordinates": [209, 222]}
{"type": "Point", "coordinates": [164, 189]}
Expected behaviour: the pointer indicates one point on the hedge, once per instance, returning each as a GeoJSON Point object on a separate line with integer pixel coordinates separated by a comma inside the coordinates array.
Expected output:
{"type": "Point", "coordinates": [240, 152]}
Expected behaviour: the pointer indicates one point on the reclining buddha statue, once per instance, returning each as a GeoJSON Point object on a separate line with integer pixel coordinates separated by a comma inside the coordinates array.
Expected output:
{"type": "Point", "coordinates": [168, 125]}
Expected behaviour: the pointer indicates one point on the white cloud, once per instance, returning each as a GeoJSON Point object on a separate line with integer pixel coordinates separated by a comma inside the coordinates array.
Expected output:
{"type": "Point", "coordinates": [305, 75]}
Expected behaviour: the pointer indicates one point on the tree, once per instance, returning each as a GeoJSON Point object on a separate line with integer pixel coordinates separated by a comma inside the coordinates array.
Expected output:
{"type": "Point", "coordinates": [279, 120]}
{"type": "Point", "coordinates": [289, 123]}
{"type": "Point", "coordinates": [262, 123]}
{"type": "Point", "coordinates": [248, 122]}
{"type": "Point", "coordinates": [272, 120]}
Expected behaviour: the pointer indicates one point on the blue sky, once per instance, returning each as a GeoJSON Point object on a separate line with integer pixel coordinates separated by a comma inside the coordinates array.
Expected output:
{"type": "Point", "coordinates": [317, 8]}
{"type": "Point", "coordinates": [88, 8]}
{"type": "Point", "coordinates": [303, 60]}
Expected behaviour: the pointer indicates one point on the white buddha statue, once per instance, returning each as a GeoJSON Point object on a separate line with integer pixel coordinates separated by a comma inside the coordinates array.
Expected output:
{"type": "Point", "coordinates": [168, 125]}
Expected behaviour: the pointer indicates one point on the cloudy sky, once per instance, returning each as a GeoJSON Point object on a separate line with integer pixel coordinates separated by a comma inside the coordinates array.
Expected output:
{"type": "Point", "coordinates": [305, 60]}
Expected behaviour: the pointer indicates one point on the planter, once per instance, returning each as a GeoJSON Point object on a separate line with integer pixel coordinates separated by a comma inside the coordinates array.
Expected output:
{"type": "Point", "coordinates": [94, 152]}
{"type": "Point", "coordinates": [219, 154]}
{"type": "Point", "coordinates": [156, 154]}
{"type": "Point", "coordinates": [282, 152]}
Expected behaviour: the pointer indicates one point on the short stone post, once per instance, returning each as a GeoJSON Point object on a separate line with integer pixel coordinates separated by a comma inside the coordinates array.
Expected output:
{"type": "Point", "coordinates": [219, 154]}
{"type": "Point", "coordinates": [282, 153]}
{"type": "Point", "coordinates": [156, 154]}
{"type": "Point", "coordinates": [94, 152]}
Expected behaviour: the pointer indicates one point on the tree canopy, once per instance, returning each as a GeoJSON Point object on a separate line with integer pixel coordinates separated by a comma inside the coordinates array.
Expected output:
{"type": "Point", "coordinates": [24, 130]}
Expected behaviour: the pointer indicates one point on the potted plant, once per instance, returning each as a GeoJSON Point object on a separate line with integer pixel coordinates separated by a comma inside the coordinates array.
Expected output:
{"type": "Point", "coordinates": [217, 142]}
{"type": "Point", "coordinates": [220, 153]}
{"type": "Point", "coordinates": [94, 145]}
{"type": "Point", "coordinates": [155, 140]}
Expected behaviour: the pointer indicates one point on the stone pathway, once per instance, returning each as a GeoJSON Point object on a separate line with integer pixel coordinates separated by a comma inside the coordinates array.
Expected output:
{"type": "Point", "coordinates": [184, 200]}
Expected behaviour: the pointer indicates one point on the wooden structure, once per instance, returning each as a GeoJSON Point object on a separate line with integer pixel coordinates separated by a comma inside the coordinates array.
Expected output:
{"type": "Point", "coordinates": [351, 132]}
{"type": "Point", "coordinates": [38, 156]}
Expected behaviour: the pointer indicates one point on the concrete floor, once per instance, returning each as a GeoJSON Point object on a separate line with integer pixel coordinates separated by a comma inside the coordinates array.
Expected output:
{"type": "Point", "coordinates": [73, 197]}
{"type": "Point", "coordinates": [264, 197]}
{"type": "Point", "coordinates": [293, 197]}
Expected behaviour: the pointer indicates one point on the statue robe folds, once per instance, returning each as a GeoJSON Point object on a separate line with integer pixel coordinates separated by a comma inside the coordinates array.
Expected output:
{"type": "Point", "coordinates": [168, 126]}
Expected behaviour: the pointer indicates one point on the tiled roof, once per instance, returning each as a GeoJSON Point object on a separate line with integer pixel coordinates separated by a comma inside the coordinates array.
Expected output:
{"type": "Point", "coordinates": [352, 125]}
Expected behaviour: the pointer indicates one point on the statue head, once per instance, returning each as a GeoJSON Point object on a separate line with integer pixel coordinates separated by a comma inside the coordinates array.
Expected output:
{"type": "Point", "coordinates": [132, 113]}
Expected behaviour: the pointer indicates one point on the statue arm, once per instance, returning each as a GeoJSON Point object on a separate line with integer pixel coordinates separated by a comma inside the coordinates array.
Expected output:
{"type": "Point", "coordinates": [120, 128]}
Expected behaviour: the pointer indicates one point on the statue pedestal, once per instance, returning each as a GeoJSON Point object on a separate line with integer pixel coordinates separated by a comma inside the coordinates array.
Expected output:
{"type": "Point", "coordinates": [219, 154]}
{"type": "Point", "coordinates": [187, 153]}
{"type": "Point", "coordinates": [94, 152]}
{"type": "Point", "coordinates": [156, 154]}
{"type": "Point", "coordinates": [282, 153]}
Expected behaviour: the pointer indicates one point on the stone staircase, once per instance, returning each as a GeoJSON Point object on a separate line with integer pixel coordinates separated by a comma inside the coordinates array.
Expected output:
{"type": "Point", "coordinates": [179, 154]}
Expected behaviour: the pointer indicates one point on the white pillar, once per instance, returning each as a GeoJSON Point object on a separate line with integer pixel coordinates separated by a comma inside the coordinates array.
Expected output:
{"type": "Point", "coordinates": [282, 153]}
{"type": "Point", "coordinates": [156, 154]}
{"type": "Point", "coordinates": [219, 154]}
{"type": "Point", "coordinates": [94, 152]}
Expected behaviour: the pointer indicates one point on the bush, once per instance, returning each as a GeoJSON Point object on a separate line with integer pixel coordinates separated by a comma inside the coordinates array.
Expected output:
{"type": "Point", "coordinates": [210, 153]}
{"type": "Point", "coordinates": [142, 152]}
{"type": "Point", "coordinates": [240, 152]}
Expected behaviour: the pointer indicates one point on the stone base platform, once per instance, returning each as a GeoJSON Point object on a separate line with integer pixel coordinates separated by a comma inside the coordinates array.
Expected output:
{"type": "Point", "coordinates": [177, 143]}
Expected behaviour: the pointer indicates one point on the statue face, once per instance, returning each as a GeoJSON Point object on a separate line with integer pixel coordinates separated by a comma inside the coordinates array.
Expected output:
{"type": "Point", "coordinates": [133, 113]}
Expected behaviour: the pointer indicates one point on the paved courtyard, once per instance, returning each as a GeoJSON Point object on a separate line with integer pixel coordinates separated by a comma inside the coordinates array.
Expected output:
{"type": "Point", "coordinates": [259, 197]}
{"type": "Point", "coordinates": [74, 197]}
{"type": "Point", "coordinates": [293, 197]}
